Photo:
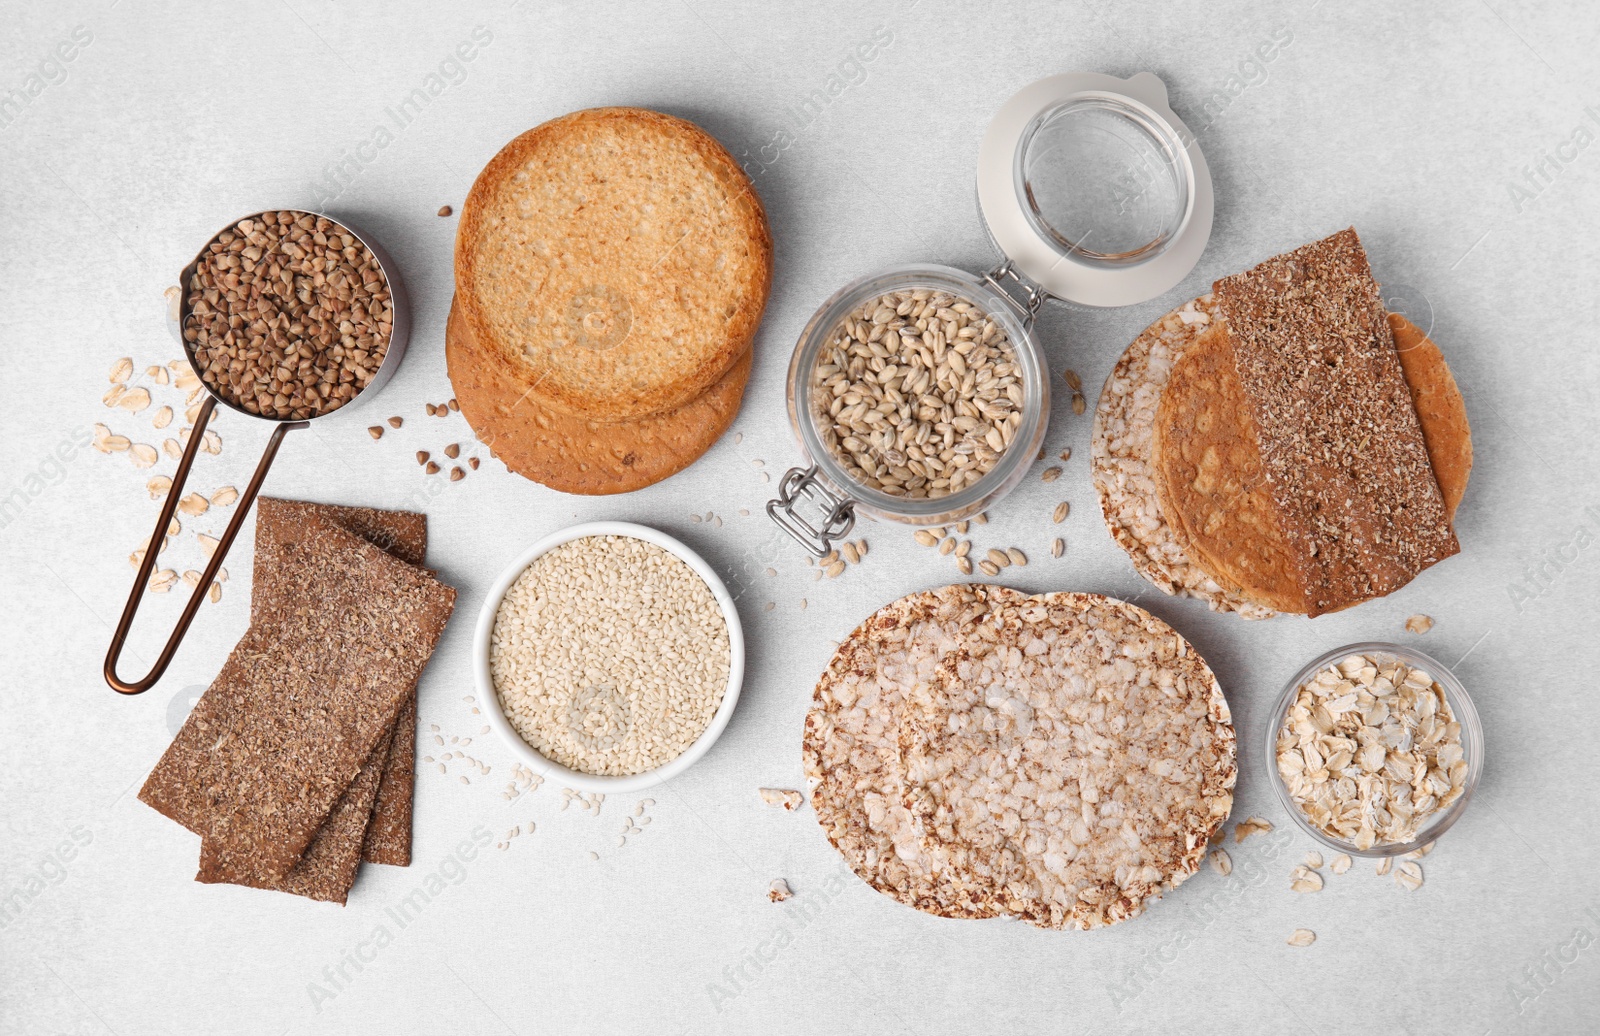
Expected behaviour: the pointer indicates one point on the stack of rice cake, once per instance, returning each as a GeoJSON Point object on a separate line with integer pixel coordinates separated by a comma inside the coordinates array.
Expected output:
{"type": "Point", "coordinates": [297, 763]}
{"type": "Point", "coordinates": [1284, 444]}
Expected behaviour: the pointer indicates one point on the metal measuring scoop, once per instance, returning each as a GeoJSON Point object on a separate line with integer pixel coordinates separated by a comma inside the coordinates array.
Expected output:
{"type": "Point", "coordinates": [177, 317]}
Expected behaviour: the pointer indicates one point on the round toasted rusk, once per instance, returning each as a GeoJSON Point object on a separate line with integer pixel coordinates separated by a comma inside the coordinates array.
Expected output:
{"type": "Point", "coordinates": [1059, 758]}
{"type": "Point", "coordinates": [617, 260]}
{"type": "Point", "coordinates": [1440, 408]}
{"type": "Point", "coordinates": [1121, 460]}
{"type": "Point", "coordinates": [1178, 469]}
{"type": "Point", "coordinates": [1210, 484]}
{"type": "Point", "coordinates": [569, 453]}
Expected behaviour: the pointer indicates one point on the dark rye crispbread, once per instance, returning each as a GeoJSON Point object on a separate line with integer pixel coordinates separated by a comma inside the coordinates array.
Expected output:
{"type": "Point", "coordinates": [301, 703]}
{"type": "Point", "coordinates": [405, 535]}
{"type": "Point", "coordinates": [328, 869]}
{"type": "Point", "coordinates": [1359, 504]}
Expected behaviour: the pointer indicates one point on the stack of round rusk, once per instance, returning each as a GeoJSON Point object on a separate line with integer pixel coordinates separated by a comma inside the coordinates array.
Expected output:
{"type": "Point", "coordinates": [612, 267]}
{"type": "Point", "coordinates": [1060, 758]}
{"type": "Point", "coordinates": [1178, 463]}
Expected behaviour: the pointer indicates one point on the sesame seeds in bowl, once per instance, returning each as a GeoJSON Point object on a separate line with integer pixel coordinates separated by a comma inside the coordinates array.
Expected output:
{"type": "Point", "coordinates": [613, 655]}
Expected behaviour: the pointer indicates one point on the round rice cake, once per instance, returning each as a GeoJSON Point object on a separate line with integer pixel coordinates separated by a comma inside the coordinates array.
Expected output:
{"type": "Point", "coordinates": [572, 454]}
{"type": "Point", "coordinates": [617, 260]}
{"type": "Point", "coordinates": [1059, 758]}
{"type": "Point", "coordinates": [1122, 460]}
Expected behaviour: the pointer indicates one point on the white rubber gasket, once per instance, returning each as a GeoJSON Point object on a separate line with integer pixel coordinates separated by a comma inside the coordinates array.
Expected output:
{"type": "Point", "coordinates": [1070, 278]}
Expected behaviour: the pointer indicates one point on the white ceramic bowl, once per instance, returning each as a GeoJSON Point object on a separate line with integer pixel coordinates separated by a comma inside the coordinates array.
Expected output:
{"type": "Point", "coordinates": [552, 770]}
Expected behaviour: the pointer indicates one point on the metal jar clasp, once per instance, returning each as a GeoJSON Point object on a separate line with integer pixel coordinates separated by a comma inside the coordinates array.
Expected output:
{"type": "Point", "coordinates": [1016, 289]}
{"type": "Point", "coordinates": [838, 513]}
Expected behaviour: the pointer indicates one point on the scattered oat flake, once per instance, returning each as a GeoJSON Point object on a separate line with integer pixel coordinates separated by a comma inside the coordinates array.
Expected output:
{"type": "Point", "coordinates": [1409, 875]}
{"type": "Point", "coordinates": [1221, 862]}
{"type": "Point", "coordinates": [1306, 880]}
{"type": "Point", "coordinates": [787, 798]}
{"type": "Point", "coordinates": [1302, 937]}
{"type": "Point", "coordinates": [1313, 859]}
{"type": "Point", "coordinates": [1419, 624]}
{"type": "Point", "coordinates": [1419, 852]}
{"type": "Point", "coordinates": [1340, 864]}
{"type": "Point", "coordinates": [1383, 866]}
{"type": "Point", "coordinates": [1249, 826]}
{"type": "Point", "coordinates": [778, 891]}
{"type": "Point", "coordinates": [121, 370]}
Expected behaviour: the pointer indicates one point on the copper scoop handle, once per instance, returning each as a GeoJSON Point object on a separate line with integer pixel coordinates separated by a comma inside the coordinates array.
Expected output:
{"type": "Point", "coordinates": [153, 549]}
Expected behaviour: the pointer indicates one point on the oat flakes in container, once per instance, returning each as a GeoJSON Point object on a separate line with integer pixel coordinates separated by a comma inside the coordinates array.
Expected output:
{"type": "Point", "coordinates": [921, 393]}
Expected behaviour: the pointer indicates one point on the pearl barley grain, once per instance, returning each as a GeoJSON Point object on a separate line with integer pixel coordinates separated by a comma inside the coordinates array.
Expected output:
{"type": "Point", "coordinates": [610, 655]}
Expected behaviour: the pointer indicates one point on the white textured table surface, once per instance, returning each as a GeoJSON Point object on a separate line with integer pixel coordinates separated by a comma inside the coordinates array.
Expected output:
{"type": "Point", "coordinates": [1416, 124]}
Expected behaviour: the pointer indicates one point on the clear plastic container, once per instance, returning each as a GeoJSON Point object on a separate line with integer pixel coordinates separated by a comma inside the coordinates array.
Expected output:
{"type": "Point", "coordinates": [1094, 193]}
{"type": "Point", "coordinates": [1461, 708]}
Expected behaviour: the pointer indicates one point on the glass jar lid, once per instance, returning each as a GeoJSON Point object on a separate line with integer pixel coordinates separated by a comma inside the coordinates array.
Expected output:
{"type": "Point", "coordinates": [1094, 189]}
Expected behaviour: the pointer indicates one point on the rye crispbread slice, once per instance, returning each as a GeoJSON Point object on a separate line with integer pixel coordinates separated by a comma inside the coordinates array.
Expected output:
{"type": "Point", "coordinates": [328, 869]}
{"type": "Point", "coordinates": [405, 535]}
{"type": "Point", "coordinates": [1340, 440]}
{"type": "Point", "coordinates": [616, 260]}
{"type": "Point", "coordinates": [301, 704]}
{"type": "Point", "coordinates": [572, 454]}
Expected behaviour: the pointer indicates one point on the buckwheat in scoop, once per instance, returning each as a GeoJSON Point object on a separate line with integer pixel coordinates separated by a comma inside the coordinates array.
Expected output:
{"type": "Point", "coordinates": [288, 315]}
{"type": "Point", "coordinates": [610, 655]}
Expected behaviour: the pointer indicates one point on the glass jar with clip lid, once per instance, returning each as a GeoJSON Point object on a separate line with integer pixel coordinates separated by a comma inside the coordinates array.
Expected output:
{"type": "Point", "coordinates": [921, 393]}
